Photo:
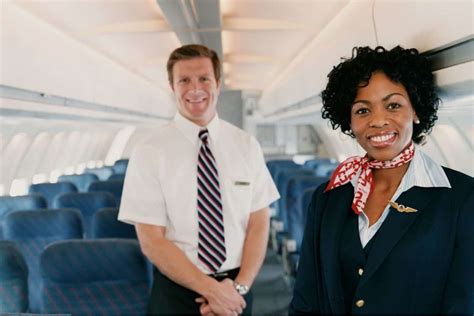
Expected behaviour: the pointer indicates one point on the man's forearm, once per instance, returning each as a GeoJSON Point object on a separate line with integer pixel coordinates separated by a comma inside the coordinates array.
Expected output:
{"type": "Point", "coordinates": [255, 246]}
{"type": "Point", "coordinates": [172, 262]}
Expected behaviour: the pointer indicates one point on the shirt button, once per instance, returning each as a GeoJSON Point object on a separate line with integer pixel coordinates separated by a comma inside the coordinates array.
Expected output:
{"type": "Point", "coordinates": [360, 303]}
{"type": "Point", "coordinates": [360, 271]}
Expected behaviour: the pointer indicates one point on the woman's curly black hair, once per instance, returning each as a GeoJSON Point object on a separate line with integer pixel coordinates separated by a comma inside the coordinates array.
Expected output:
{"type": "Point", "coordinates": [404, 66]}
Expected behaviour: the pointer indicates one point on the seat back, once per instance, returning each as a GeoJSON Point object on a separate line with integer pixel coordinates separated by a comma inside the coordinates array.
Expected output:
{"type": "Point", "coordinates": [112, 186]}
{"type": "Point", "coordinates": [284, 177]}
{"type": "Point", "coordinates": [117, 177]}
{"type": "Point", "coordinates": [14, 203]}
{"type": "Point", "coordinates": [13, 279]}
{"type": "Point", "coordinates": [87, 203]}
{"type": "Point", "coordinates": [94, 277]}
{"type": "Point", "coordinates": [120, 166]}
{"type": "Point", "coordinates": [50, 190]}
{"type": "Point", "coordinates": [32, 231]}
{"type": "Point", "coordinates": [325, 169]}
{"type": "Point", "coordinates": [294, 214]}
{"type": "Point", "coordinates": [298, 184]}
{"type": "Point", "coordinates": [81, 181]}
{"type": "Point", "coordinates": [106, 225]}
{"type": "Point", "coordinates": [314, 163]}
{"type": "Point", "coordinates": [274, 165]}
{"type": "Point", "coordinates": [298, 224]}
{"type": "Point", "coordinates": [103, 173]}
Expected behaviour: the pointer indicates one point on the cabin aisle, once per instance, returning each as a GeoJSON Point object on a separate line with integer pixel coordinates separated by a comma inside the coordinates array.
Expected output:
{"type": "Point", "coordinates": [272, 293]}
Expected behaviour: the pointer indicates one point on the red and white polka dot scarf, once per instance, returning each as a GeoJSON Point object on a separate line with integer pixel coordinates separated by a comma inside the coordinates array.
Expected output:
{"type": "Point", "coordinates": [351, 166]}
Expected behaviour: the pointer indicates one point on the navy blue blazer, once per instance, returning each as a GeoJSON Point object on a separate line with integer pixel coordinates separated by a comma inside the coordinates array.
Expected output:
{"type": "Point", "coordinates": [421, 262]}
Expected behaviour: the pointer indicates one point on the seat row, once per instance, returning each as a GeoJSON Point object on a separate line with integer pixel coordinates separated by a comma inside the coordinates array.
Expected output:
{"type": "Point", "coordinates": [296, 184]}
{"type": "Point", "coordinates": [51, 190]}
{"type": "Point", "coordinates": [79, 277]}
{"type": "Point", "coordinates": [32, 231]}
{"type": "Point", "coordinates": [83, 181]}
{"type": "Point", "coordinates": [86, 203]}
{"type": "Point", "coordinates": [105, 173]}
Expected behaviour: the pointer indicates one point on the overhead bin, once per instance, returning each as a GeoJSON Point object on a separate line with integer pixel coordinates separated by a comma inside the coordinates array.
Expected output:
{"type": "Point", "coordinates": [41, 58]}
{"type": "Point", "coordinates": [422, 24]}
{"type": "Point", "coordinates": [425, 25]}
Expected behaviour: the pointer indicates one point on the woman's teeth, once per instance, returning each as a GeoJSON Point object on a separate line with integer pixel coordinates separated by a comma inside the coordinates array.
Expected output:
{"type": "Point", "coordinates": [381, 138]}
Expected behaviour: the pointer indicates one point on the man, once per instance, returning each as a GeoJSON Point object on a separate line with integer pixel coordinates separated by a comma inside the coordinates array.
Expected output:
{"type": "Point", "coordinates": [198, 193]}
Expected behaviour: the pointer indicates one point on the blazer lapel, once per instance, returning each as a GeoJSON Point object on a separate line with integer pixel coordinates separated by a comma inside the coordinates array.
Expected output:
{"type": "Point", "coordinates": [338, 204]}
{"type": "Point", "coordinates": [394, 228]}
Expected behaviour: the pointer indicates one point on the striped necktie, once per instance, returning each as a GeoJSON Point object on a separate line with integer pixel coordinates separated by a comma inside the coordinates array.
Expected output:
{"type": "Point", "coordinates": [211, 241]}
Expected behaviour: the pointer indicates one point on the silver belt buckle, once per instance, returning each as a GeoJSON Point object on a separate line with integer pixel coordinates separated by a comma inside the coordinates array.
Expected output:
{"type": "Point", "coordinates": [220, 274]}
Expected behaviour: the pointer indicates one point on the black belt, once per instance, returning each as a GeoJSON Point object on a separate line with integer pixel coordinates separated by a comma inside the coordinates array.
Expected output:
{"type": "Point", "coordinates": [231, 274]}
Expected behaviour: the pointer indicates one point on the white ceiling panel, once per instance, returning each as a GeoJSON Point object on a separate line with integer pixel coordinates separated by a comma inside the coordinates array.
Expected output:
{"type": "Point", "coordinates": [268, 34]}
{"type": "Point", "coordinates": [259, 38]}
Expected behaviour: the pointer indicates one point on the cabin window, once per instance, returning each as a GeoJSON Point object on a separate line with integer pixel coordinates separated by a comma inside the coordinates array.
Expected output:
{"type": "Point", "coordinates": [19, 187]}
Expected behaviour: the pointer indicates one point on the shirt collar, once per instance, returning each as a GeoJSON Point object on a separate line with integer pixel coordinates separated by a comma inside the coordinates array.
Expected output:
{"type": "Point", "coordinates": [422, 172]}
{"type": "Point", "coordinates": [191, 130]}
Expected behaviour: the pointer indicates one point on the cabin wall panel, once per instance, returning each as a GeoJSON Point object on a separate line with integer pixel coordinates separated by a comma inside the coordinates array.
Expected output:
{"type": "Point", "coordinates": [11, 158]}
{"type": "Point", "coordinates": [52, 153]}
{"type": "Point", "coordinates": [32, 159]}
{"type": "Point", "coordinates": [141, 134]}
{"type": "Point", "coordinates": [41, 58]}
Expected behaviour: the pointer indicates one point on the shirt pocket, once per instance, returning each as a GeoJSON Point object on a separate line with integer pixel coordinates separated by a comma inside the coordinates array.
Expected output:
{"type": "Point", "coordinates": [239, 194]}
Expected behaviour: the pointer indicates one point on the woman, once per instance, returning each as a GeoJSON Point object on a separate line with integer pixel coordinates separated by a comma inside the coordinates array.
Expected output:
{"type": "Point", "coordinates": [392, 232]}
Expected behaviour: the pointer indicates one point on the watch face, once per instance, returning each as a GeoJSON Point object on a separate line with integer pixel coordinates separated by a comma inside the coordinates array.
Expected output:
{"type": "Point", "coordinates": [242, 289]}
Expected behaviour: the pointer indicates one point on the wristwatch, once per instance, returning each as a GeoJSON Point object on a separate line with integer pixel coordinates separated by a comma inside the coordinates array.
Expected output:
{"type": "Point", "coordinates": [241, 289]}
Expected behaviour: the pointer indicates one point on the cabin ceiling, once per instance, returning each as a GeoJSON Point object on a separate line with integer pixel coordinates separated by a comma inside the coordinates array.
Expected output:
{"type": "Point", "coordinates": [257, 40]}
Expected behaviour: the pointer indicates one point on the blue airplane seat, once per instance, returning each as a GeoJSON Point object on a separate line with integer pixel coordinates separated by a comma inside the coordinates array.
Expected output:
{"type": "Point", "coordinates": [120, 166]}
{"type": "Point", "coordinates": [279, 221]}
{"type": "Point", "coordinates": [112, 186]}
{"type": "Point", "coordinates": [106, 225]}
{"type": "Point", "coordinates": [297, 212]}
{"type": "Point", "coordinates": [103, 173]}
{"type": "Point", "coordinates": [50, 190]}
{"type": "Point", "coordinates": [32, 231]}
{"type": "Point", "coordinates": [87, 203]}
{"type": "Point", "coordinates": [296, 187]}
{"type": "Point", "coordinates": [275, 168]}
{"type": "Point", "coordinates": [272, 164]}
{"type": "Point", "coordinates": [94, 277]}
{"type": "Point", "coordinates": [325, 169]}
{"type": "Point", "coordinates": [120, 177]}
{"type": "Point", "coordinates": [81, 181]}
{"type": "Point", "coordinates": [298, 223]}
{"type": "Point", "coordinates": [313, 163]}
{"type": "Point", "coordinates": [275, 165]}
{"type": "Point", "coordinates": [15, 203]}
{"type": "Point", "coordinates": [13, 279]}
{"type": "Point", "coordinates": [284, 177]}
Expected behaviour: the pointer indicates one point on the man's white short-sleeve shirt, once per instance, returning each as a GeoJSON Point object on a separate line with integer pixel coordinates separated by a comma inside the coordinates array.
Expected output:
{"type": "Point", "coordinates": [161, 184]}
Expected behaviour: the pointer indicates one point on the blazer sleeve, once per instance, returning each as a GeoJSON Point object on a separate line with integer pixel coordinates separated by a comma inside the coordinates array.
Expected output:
{"type": "Point", "coordinates": [459, 291]}
{"type": "Point", "coordinates": [305, 294]}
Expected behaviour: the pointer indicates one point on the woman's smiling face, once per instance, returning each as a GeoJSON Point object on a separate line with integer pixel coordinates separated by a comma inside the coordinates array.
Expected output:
{"type": "Point", "coordinates": [382, 117]}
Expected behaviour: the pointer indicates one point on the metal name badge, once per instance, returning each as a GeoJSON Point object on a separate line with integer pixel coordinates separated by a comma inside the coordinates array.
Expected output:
{"type": "Point", "coordinates": [242, 183]}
